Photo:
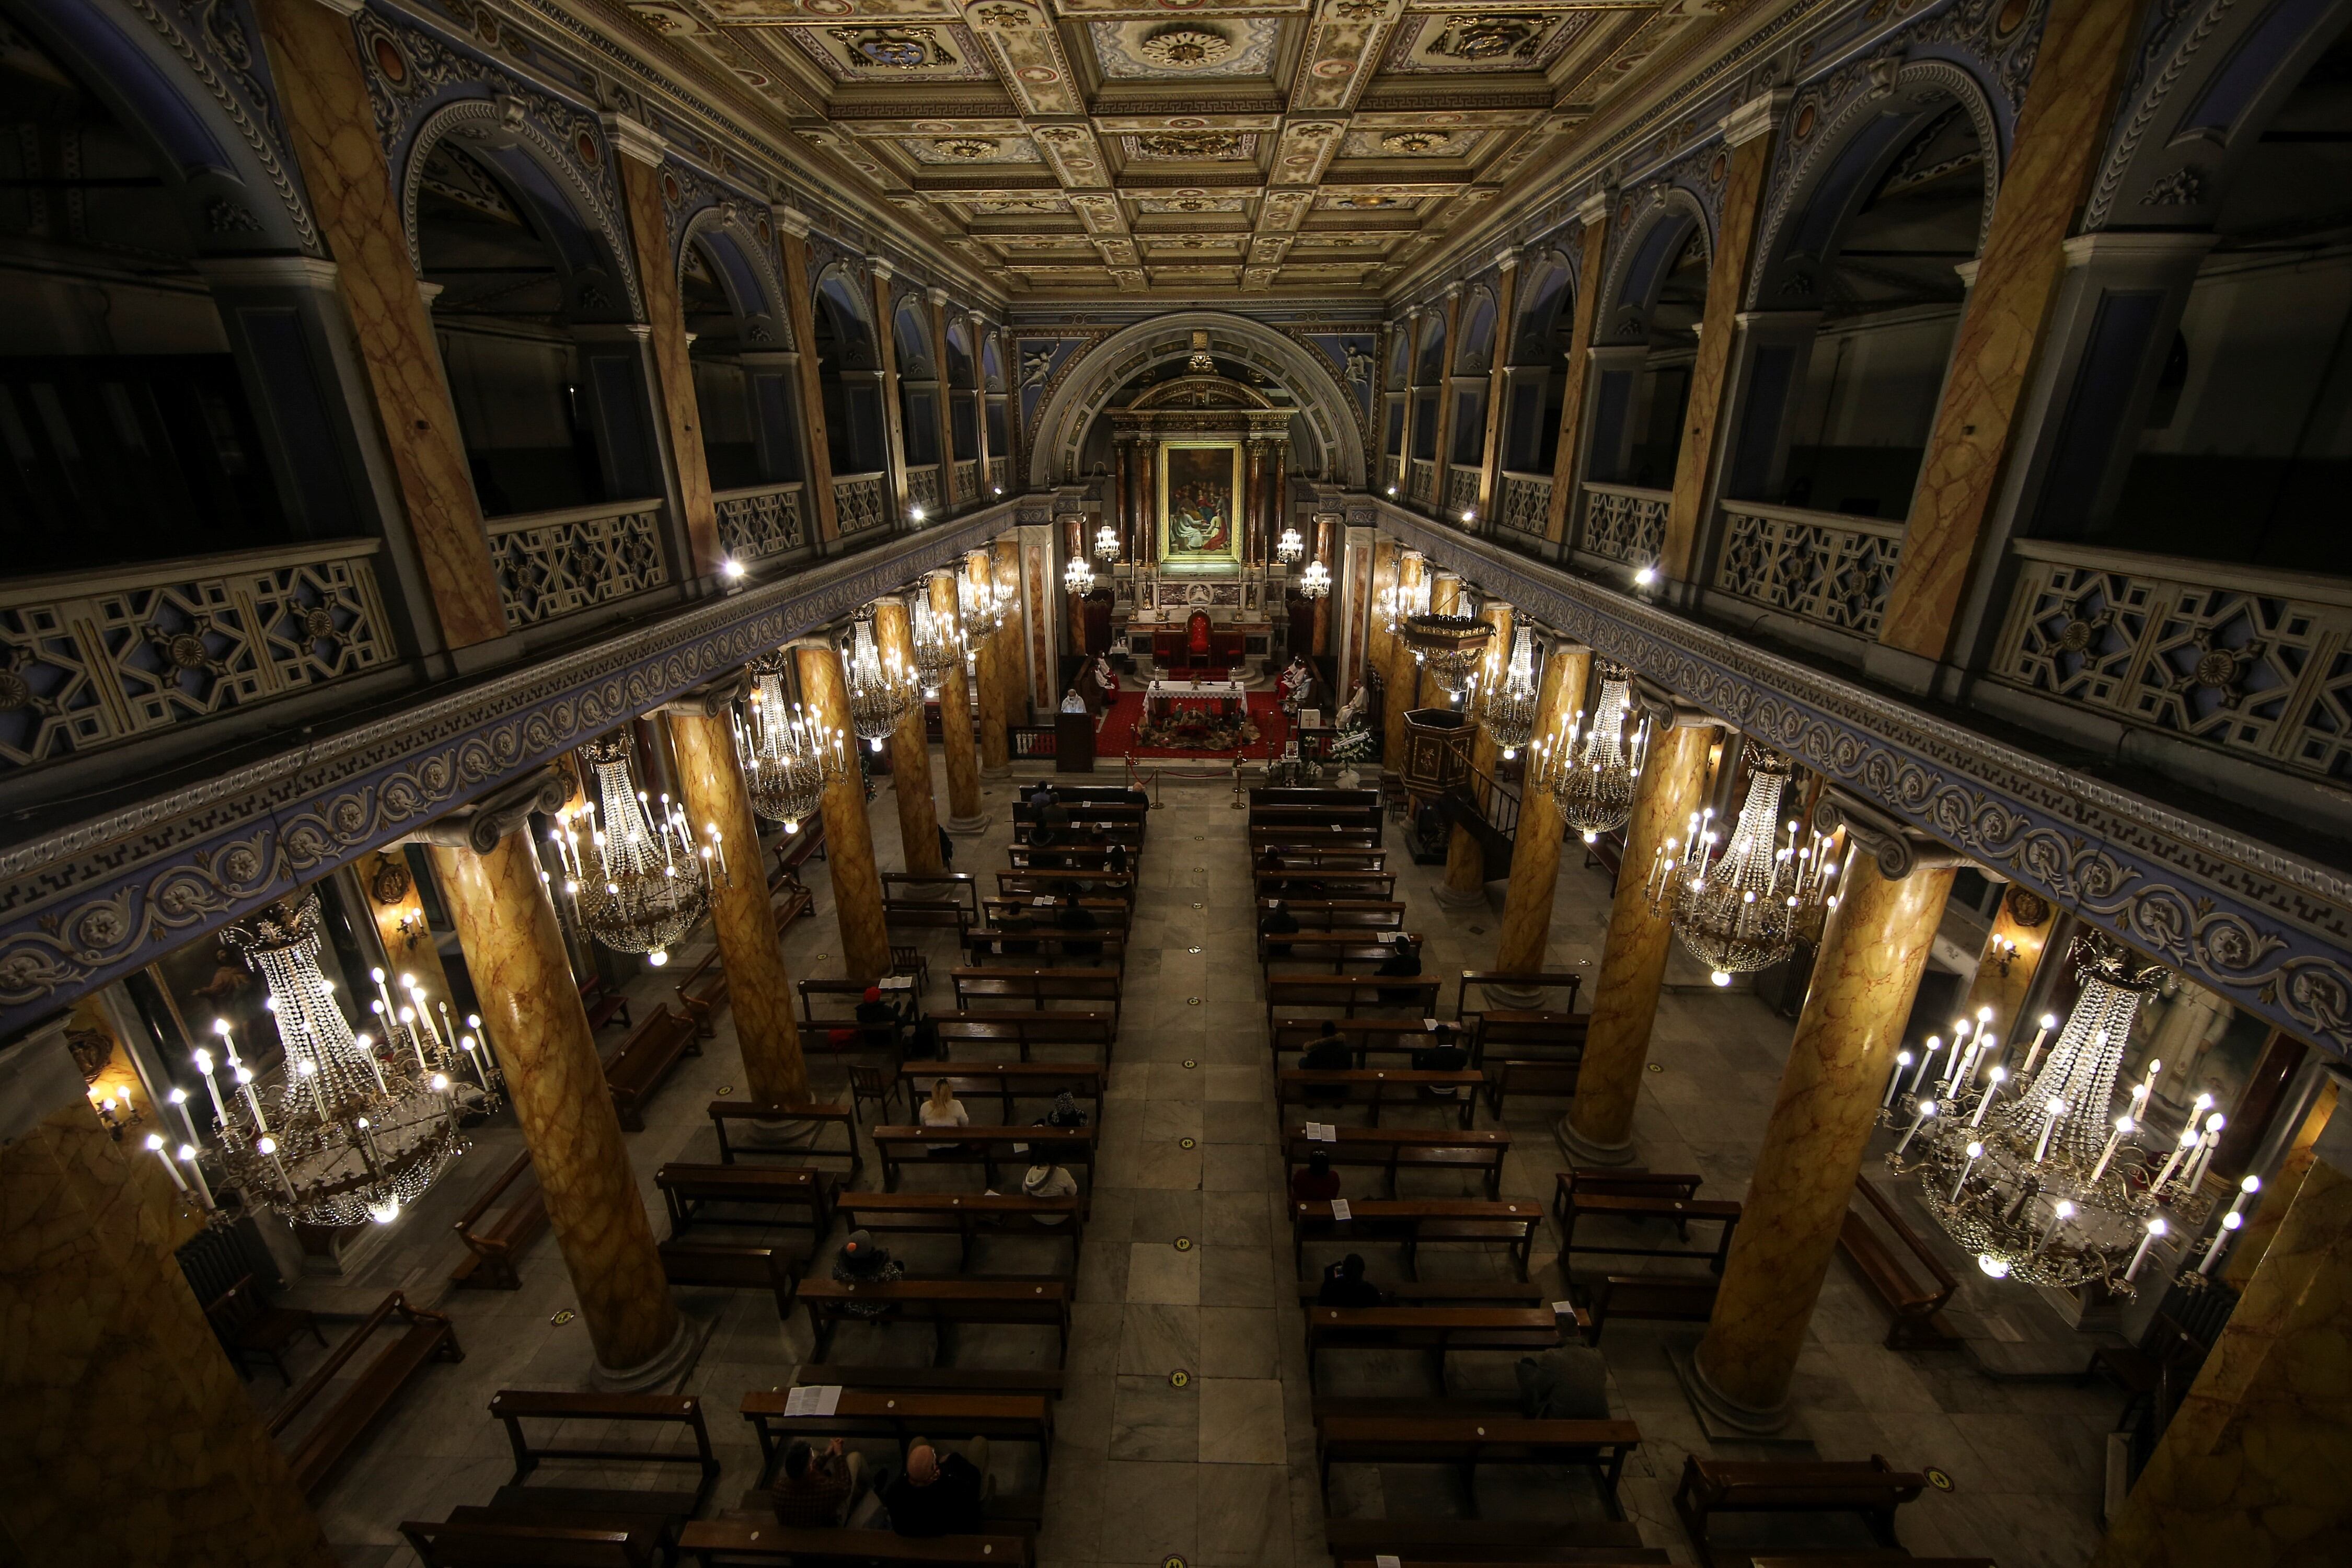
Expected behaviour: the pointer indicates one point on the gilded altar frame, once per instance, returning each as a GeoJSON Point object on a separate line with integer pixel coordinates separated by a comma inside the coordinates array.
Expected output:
{"type": "Point", "coordinates": [1230, 555]}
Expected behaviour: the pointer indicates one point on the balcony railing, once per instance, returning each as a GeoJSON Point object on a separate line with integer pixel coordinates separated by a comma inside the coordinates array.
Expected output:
{"type": "Point", "coordinates": [1622, 523]}
{"type": "Point", "coordinates": [1461, 491]}
{"type": "Point", "coordinates": [923, 489]}
{"type": "Point", "coordinates": [1000, 472]}
{"type": "Point", "coordinates": [2250, 660]}
{"type": "Point", "coordinates": [96, 658]}
{"type": "Point", "coordinates": [967, 482]}
{"type": "Point", "coordinates": [766, 520]}
{"type": "Point", "coordinates": [1819, 567]}
{"type": "Point", "coordinates": [1527, 503]}
{"type": "Point", "coordinates": [858, 502]}
{"type": "Point", "coordinates": [1392, 466]}
{"type": "Point", "coordinates": [1425, 482]}
{"type": "Point", "coordinates": [551, 565]}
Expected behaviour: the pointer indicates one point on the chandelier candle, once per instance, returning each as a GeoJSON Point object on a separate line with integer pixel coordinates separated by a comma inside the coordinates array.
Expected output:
{"type": "Point", "coordinates": [1745, 907]}
{"type": "Point", "coordinates": [1993, 1080]}
{"type": "Point", "coordinates": [1919, 1119]}
{"type": "Point", "coordinates": [1592, 769]}
{"type": "Point", "coordinates": [1894, 1080]}
{"type": "Point", "coordinates": [1927, 1057]}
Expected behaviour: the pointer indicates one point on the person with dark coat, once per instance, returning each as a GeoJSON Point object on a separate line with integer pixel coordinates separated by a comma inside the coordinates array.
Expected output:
{"type": "Point", "coordinates": [1316, 1182]}
{"type": "Point", "coordinates": [936, 1494]}
{"type": "Point", "coordinates": [1328, 1051]}
{"type": "Point", "coordinates": [947, 850]}
{"type": "Point", "coordinates": [1344, 1285]}
{"type": "Point", "coordinates": [1277, 920]}
{"type": "Point", "coordinates": [1442, 1054]}
{"type": "Point", "coordinates": [877, 1020]}
{"type": "Point", "coordinates": [1071, 915]}
{"type": "Point", "coordinates": [1115, 861]}
{"type": "Point", "coordinates": [1405, 958]}
{"type": "Point", "coordinates": [861, 1262]}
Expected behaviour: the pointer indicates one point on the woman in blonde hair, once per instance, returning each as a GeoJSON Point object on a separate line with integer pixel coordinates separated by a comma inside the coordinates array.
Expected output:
{"type": "Point", "coordinates": [943, 1110]}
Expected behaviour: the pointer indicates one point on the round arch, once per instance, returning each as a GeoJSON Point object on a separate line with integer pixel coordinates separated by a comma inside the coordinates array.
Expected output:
{"type": "Point", "coordinates": [1547, 291]}
{"type": "Point", "coordinates": [746, 271]}
{"type": "Point", "coordinates": [1474, 351]}
{"type": "Point", "coordinates": [1659, 227]}
{"type": "Point", "coordinates": [1089, 381]}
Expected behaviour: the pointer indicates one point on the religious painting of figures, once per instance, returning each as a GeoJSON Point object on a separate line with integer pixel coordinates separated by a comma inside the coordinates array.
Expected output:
{"type": "Point", "coordinates": [1199, 486]}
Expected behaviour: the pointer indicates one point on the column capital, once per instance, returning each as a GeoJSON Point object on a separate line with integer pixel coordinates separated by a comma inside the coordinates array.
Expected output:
{"type": "Point", "coordinates": [481, 826]}
{"type": "Point", "coordinates": [1412, 313]}
{"type": "Point", "coordinates": [1506, 258]}
{"type": "Point", "coordinates": [635, 140]}
{"type": "Point", "coordinates": [1594, 207]}
{"type": "Point", "coordinates": [881, 268]}
{"type": "Point", "coordinates": [711, 699]}
{"type": "Point", "coordinates": [936, 295]}
{"type": "Point", "coordinates": [1756, 116]}
{"type": "Point", "coordinates": [1454, 291]}
{"type": "Point", "coordinates": [790, 219]}
{"type": "Point", "coordinates": [2111, 247]}
{"type": "Point", "coordinates": [1898, 850]}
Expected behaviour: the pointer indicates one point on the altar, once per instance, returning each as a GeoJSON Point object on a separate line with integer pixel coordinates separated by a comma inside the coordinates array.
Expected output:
{"type": "Point", "coordinates": [1163, 695]}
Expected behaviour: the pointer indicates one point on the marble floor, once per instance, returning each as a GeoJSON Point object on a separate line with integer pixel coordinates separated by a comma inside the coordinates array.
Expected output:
{"type": "Point", "coordinates": [1221, 1470]}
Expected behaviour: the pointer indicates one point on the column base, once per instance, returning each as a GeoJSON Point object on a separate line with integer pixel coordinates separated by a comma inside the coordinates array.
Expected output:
{"type": "Point", "coordinates": [1003, 773]}
{"type": "Point", "coordinates": [1582, 1148]}
{"type": "Point", "coordinates": [966, 826]}
{"type": "Point", "coordinates": [672, 1360]}
{"type": "Point", "coordinates": [1511, 999]}
{"type": "Point", "coordinates": [781, 1133]}
{"type": "Point", "coordinates": [1448, 898]}
{"type": "Point", "coordinates": [1725, 1418]}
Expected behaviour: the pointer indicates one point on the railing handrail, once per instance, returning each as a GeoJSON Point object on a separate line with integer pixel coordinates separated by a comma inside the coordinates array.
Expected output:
{"type": "Point", "coordinates": [522, 520]}
{"type": "Point", "coordinates": [1878, 527]}
{"type": "Point", "coordinates": [51, 586]}
{"type": "Point", "coordinates": [1529, 476]}
{"type": "Point", "coordinates": [1636, 491]}
{"type": "Point", "coordinates": [2266, 581]}
{"type": "Point", "coordinates": [749, 491]}
{"type": "Point", "coordinates": [851, 478]}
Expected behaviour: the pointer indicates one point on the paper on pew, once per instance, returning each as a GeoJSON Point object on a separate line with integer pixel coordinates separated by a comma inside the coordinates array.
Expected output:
{"type": "Point", "coordinates": [1340, 1211]}
{"type": "Point", "coordinates": [822, 1399]}
{"type": "Point", "coordinates": [1321, 1132]}
{"type": "Point", "coordinates": [1383, 1560]}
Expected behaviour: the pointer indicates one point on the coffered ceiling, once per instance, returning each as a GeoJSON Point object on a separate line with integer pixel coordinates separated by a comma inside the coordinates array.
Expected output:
{"type": "Point", "coordinates": [1080, 147]}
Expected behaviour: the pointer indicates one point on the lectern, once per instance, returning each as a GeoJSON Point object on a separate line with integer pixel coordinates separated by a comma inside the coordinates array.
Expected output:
{"type": "Point", "coordinates": [1074, 742]}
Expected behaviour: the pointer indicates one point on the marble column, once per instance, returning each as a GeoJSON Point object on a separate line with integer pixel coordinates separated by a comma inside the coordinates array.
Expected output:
{"type": "Point", "coordinates": [1277, 501]}
{"type": "Point", "coordinates": [1013, 642]}
{"type": "Point", "coordinates": [951, 501]}
{"type": "Point", "coordinates": [894, 412]}
{"type": "Point", "coordinates": [1599, 1128]}
{"type": "Point", "coordinates": [1385, 555]}
{"type": "Point", "coordinates": [1705, 430]}
{"type": "Point", "coordinates": [2252, 1467]}
{"type": "Point", "coordinates": [1535, 853]}
{"type": "Point", "coordinates": [1325, 547]}
{"type": "Point", "coordinates": [1404, 675]}
{"type": "Point", "coordinates": [1568, 461]}
{"type": "Point", "coordinates": [1123, 492]}
{"type": "Point", "coordinates": [1253, 502]}
{"type": "Point", "coordinates": [555, 1082]}
{"type": "Point", "coordinates": [1147, 504]}
{"type": "Point", "coordinates": [995, 746]}
{"type": "Point", "coordinates": [676, 409]}
{"type": "Point", "coordinates": [758, 987]}
{"type": "Point", "coordinates": [2085, 56]}
{"type": "Point", "coordinates": [911, 753]}
{"type": "Point", "coordinates": [1465, 884]}
{"type": "Point", "coordinates": [133, 1440]}
{"type": "Point", "coordinates": [1444, 599]}
{"type": "Point", "coordinates": [1490, 447]}
{"type": "Point", "coordinates": [1872, 949]}
{"type": "Point", "coordinates": [2278, 1194]}
{"type": "Point", "coordinates": [1445, 402]}
{"type": "Point", "coordinates": [965, 816]}
{"type": "Point", "coordinates": [848, 836]}
{"type": "Point", "coordinates": [322, 92]}
{"type": "Point", "coordinates": [2021, 924]}
{"type": "Point", "coordinates": [800, 306]}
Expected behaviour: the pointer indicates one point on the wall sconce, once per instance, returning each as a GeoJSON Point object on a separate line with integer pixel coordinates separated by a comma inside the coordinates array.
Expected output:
{"type": "Point", "coordinates": [115, 1109]}
{"type": "Point", "coordinates": [2004, 954]}
{"type": "Point", "coordinates": [411, 927]}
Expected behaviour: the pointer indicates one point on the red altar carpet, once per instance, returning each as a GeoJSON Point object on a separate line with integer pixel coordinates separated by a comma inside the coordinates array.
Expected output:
{"type": "Point", "coordinates": [1117, 738]}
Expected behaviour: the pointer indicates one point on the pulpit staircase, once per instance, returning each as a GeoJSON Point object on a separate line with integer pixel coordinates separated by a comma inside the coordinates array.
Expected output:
{"type": "Point", "coordinates": [1489, 810]}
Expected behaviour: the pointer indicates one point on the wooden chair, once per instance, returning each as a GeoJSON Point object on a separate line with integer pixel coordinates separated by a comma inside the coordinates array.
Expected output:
{"type": "Point", "coordinates": [491, 1249]}
{"type": "Point", "coordinates": [869, 1082]}
{"type": "Point", "coordinates": [250, 1328]}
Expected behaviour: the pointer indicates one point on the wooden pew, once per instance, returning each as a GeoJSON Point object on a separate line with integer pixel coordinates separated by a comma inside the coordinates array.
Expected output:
{"type": "Point", "coordinates": [1377, 1087]}
{"type": "Point", "coordinates": [1336, 836]}
{"type": "Point", "coordinates": [1447, 1293]}
{"type": "Point", "coordinates": [939, 1302]}
{"type": "Point", "coordinates": [1415, 1220]}
{"type": "Point", "coordinates": [932, 1379]}
{"type": "Point", "coordinates": [1091, 884]}
{"type": "Point", "coordinates": [900, 1416]}
{"type": "Point", "coordinates": [1024, 946]}
{"type": "Point", "coordinates": [1347, 993]}
{"type": "Point", "coordinates": [689, 1190]}
{"type": "Point", "coordinates": [733, 1266]}
{"type": "Point", "coordinates": [514, 1407]}
{"type": "Point", "coordinates": [829, 1012]}
{"type": "Point", "coordinates": [1066, 855]}
{"type": "Point", "coordinates": [983, 1146]}
{"type": "Point", "coordinates": [967, 1216]}
{"type": "Point", "coordinates": [1903, 1272]}
{"type": "Point", "coordinates": [992, 1031]}
{"type": "Point", "coordinates": [1310, 858]}
{"type": "Point", "coordinates": [429, 1337]}
{"type": "Point", "coordinates": [1308, 795]}
{"type": "Point", "coordinates": [491, 1249]}
{"type": "Point", "coordinates": [1338, 949]}
{"type": "Point", "coordinates": [1368, 1037]}
{"type": "Point", "coordinates": [1339, 914]}
{"type": "Point", "coordinates": [1087, 830]}
{"type": "Point", "coordinates": [1630, 1181]}
{"type": "Point", "coordinates": [1299, 822]}
{"type": "Point", "coordinates": [918, 891]}
{"type": "Point", "coordinates": [1650, 1297]}
{"type": "Point", "coordinates": [701, 992]}
{"type": "Point", "coordinates": [1435, 1436]}
{"type": "Point", "coordinates": [1437, 1330]}
{"type": "Point", "coordinates": [1006, 1081]}
{"type": "Point", "coordinates": [603, 1004]}
{"type": "Point", "coordinates": [1574, 1198]}
{"type": "Point", "coordinates": [1455, 1542]}
{"type": "Point", "coordinates": [468, 1539]}
{"type": "Point", "coordinates": [1388, 1149]}
{"type": "Point", "coordinates": [1484, 980]}
{"type": "Point", "coordinates": [1871, 1488]}
{"type": "Point", "coordinates": [1034, 989]}
{"type": "Point", "coordinates": [756, 1539]}
{"type": "Point", "coordinates": [644, 1060]}
{"type": "Point", "coordinates": [1110, 914]}
{"type": "Point", "coordinates": [788, 896]}
{"type": "Point", "coordinates": [1352, 884]}
{"type": "Point", "coordinates": [823, 1113]}
{"type": "Point", "coordinates": [1089, 819]}
{"type": "Point", "coordinates": [1527, 1053]}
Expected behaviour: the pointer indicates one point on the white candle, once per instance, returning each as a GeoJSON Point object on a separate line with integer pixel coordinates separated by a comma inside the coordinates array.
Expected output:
{"type": "Point", "coordinates": [1926, 1109]}
{"type": "Point", "coordinates": [416, 1038]}
{"type": "Point", "coordinates": [474, 1022]}
{"type": "Point", "coordinates": [155, 1147]}
{"type": "Point", "coordinates": [2052, 1112]}
{"type": "Point", "coordinates": [465, 1043]}
{"type": "Point", "coordinates": [204, 1066]}
{"type": "Point", "coordinates": [2123, 1125]}
{"type": "Point", "coordinates": [1992, 1092]}
{"type": "Point", "coordinates": [2188, 1141]}
{"type": "Point", "coordinates": [204, 1188]}
{"type": "Point", "coordinates": [2033, 1052]}
{"type": "Point", "coordinates": [2155, 1229]}
{"type": "Point", "coordinates": [1974, 1151]}
{"type": "Point", "coordinates": [179, 1097]}
{"type": "Point", "coordinates": [2060, 1212]}
{"type": "Point", "coordinates": [268, 1147]}
{"type": "Point", "coordinates": [2230, 1224]}
{"type": "Point", "coordinates": [1927, 1056]}
{"type": "Point", "coordinates": [2203, 1158]}
{"type": "Point", "coordinates": [252, 1100]}
{"type": "Point", "coordinates": [1895, 1081]}
{"type": "Point", "coordinates": [2246, 1189]}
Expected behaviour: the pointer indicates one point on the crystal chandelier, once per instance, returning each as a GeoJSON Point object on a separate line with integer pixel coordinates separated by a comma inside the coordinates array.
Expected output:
{"type": "Point", "coordinates": [788, 758]}
{"type": "Point", "coordinates": [1399, 604]}
{"type": "Point", "coordinates": [882, 690]}
{"type": "Point", "coordinates": [939, 644]}
{"type": "Point", "coordinates": [1509, 710]}
{"type": "Point", "coordinates": [1289, 549]}
{"type": "Point", "coordinates": [2039, 1173]}
{"type": "Point", "coordinates": [1078, 578]}
{"type": "Point", "coordinates": [350, 1126]}
{"type": "Point", "coordinates": [1448, 646]}
{"type": "Point", "coordinates": [980, 608]}
{"type": "Point", "coordinates": [1744, 906]}
{"type": "Point", "coordinates": [1593, 769]}
{"type": "Point", "coordinates": [1107, 544]}
{"type": "Point", "coordinates": [1315, 581]}
{"type": "Point", "coordinates": [644, 879]}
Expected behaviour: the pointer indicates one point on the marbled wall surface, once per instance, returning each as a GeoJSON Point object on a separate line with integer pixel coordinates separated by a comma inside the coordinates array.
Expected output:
{"type": "Point", "coordinates": [1534, 859]}
{"type": "Point", "coordinates": [1727, 281]}
{"type": "Point", "coordinates": [2277, 1197]}
{"type": "Point", "coordinates": [955, 719]}
{"type": "Point", "coordinates": [1404, 676]}
{"type": "Point", "coordinates": [910, 754]}
{"type": "Point", "coordinates": [1465, 858]}
{"type": "Point", "coordinates": [1586, 310]}
{"type": "Point", "coordinates": [674, 391]}
{"type": "Point", "coordinates": [995, 745]}
{"type": "Point", "coordinates": [801, 305]}
{"type": "Point", "coordinates": [849, 837]}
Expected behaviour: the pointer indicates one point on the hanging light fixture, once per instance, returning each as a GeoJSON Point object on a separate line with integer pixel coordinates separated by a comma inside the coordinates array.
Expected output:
{"type": "Point", "coordinates": [1592, 768]}
{"type": "Point", "coordinates": [1290, 549]}
{"type": "Point", "coordinates": [349, 1126]}
{"type": "Point", "coordinates": [643, 879]}
{"type": "Point", "coordinates": [1107, 544]}
{"type": "Point", "coordinates": [1078, 578]}
{"type": "Point", "coordinates": [1315, 581]}
{"type": "Point", "coordinates": [1448, 646]}
{"type": "Point", "coordinates": [1509, 712]}
{"type": "Point", "coordinates": [2041, 1173]}
{"type": "Point", "coordinates": [938, 643]}
{"type": "Point", "coordinates": [882, 690]}
{"type": "Point", "coordinates": [1744, 905]}
{"type": "Point", "coordinates": [788, 758]}
{"type": "Point", "coordinates": [982, 611]}
{"type": "Point", "coordinates": [1399, 602]}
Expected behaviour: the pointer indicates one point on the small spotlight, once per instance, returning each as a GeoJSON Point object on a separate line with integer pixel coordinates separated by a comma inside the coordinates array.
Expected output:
{"type": "Point", "coordinates": [732, 569]}
{"type": "Point", "coordinates": [1645, 576]}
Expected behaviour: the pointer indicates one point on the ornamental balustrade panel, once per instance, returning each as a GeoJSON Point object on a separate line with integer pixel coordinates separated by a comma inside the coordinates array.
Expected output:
{"type": "Point", "coordinates": [923, 489]}
{"type": "Point", "coordinates": [1624, 523]}
{"type": "Point", "coordinates": [1461, 491]}
{"type": "Point", "coordinates": [2249, 661]}
{"type": "Point", "coordinates": [1527, 503]}
{"type": "Point", "coordinates": [1000, 471]}
{"type": "Point", "coordinates": [551, 565]}
{"type": "Point", "coordinates": [967, 481]}
{"type": "Point", "coordinates": [1819, 567]}
{"type": "Point", "coordinates": [766, 520]}
{"type": "Point", "coordinates": [1393, 467]}
{"type": "Point", "coordinates": [858, 502]}
{"type": "Point", "coordinates": [94, 660]}
{"type": "Point", "coordinates": [1425, 482]}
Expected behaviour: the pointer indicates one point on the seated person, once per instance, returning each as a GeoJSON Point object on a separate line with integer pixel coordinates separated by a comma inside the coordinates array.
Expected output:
{"type": "Point", "coordinates": [1277, 920]}
{"type": "Point", "coordinates": [937, 1494]}
{"type": "Point", "coordinates": [1344, 1285]}
{"type": "Point", "coordinates": [947, 851]}
{"type": "Point", "coordinates": [1065, 1111]}
{"type": "Point", "coordinates": [1442, 1054]}
{"type": "Point", "coordinates": [1072, 702]}
{"type": "Point", "coordinates": [1328, 1051]}
{"type": "Point", "coordinates": [1039, 798]}
{"type": "Point", "coordinates": [1272, 861]}
{"type": "Point", "coordinates": [1296, 684]}
{"type": "Point", "coordinates": [877, 1020]}
{"type": "Point", "coordinates": [1017, 918]}
{"type": "Point", "coordinates": [1115, 861]}
{"type": "Point", "coordinates": [1049, 1181]}
{"type": "Point", "coordinates": [816, 1491]}
{"type": "Point", "coordinates": [1315, 1182]}
{"type": "Point", "coordinates": [861, 1262]}
{"type": "Point", "coordinates": [1071, 915]}
{"type": "Point", "coordinates": [1055, 818]}
{"type": "Point", "coordinates": [1405, 958]}
{"type": "Point", "coordinates": [943, 1110]}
